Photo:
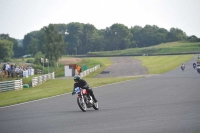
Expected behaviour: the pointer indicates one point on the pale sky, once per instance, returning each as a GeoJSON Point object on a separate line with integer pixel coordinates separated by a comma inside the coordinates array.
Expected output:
{"type": "Point", "coordinates": [19, 17]}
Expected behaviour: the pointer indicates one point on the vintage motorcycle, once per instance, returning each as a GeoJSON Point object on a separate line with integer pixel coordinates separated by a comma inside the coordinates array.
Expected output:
{"type": "Point", "coordinates": [84, 100]}
{"type": "Point", "coordinates": [198, 69]}
{"type": "Point", "coordinates": [182, 67]}
{"type": "Point", "coordinates": [194, 66]}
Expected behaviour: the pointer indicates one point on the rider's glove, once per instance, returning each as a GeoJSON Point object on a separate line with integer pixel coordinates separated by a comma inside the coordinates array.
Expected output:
{"type": "Point", "coordinates": [73, 93]}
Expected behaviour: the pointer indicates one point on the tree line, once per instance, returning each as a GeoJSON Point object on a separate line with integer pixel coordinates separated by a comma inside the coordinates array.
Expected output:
{"type": "Point", "coordinates": [76, 38]}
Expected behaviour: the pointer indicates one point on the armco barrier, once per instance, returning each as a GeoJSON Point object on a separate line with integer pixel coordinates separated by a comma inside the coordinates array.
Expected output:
{"type": "Point", "coordinates": [11, 85]}
{"type": "Point", "coordinates": [41, 79]}
{"type": "Point", "coordinates": [86, 72]}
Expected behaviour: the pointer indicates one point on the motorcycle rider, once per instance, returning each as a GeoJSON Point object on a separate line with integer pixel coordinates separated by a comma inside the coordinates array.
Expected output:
{"type": "Point", "coordinates": [83, 84]}
{"type": "Point", "coordinates": [194, 65]}
{"type": "Point", "coordinates": [182, 66]}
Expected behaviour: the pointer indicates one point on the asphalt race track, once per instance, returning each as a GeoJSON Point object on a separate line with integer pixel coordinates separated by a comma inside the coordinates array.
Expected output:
{"type": "Point", "coordinates": [166, 103]}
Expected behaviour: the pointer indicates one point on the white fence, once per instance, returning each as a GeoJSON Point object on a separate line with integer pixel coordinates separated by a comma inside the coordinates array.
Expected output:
{"type": "Point", "coordinates": [11, 85]}
{"type": "Point", "coordinates": [86, 72]}
{"type": "Point", "coordinates": [41, 79]}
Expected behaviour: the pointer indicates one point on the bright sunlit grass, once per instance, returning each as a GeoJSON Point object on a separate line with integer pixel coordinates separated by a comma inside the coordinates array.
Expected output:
{"type": "Point", "coordinates": [162, 64]}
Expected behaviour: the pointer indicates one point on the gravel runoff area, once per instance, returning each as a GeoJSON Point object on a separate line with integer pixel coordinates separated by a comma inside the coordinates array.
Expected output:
{"type": "Point", "coordinates": [122, 67]}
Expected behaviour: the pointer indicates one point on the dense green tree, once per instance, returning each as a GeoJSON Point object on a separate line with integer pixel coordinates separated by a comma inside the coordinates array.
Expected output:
{"type": "Point", "coordinates": [6, 50]}
{"type": "Point", "coordinates": [193, 38]}
{"type": "Point", "coordinates": [31, 39]}
{"type": "Point", "coordinates": [176, 34]}
{"type": "Point", "coordinates": [62, 28]}
{"type": "Point", "coordinates": [100, 42]}
{"type": "Point", "coordinates": [82, 38]}
{"type": "Point", "coordinates": [26, 41]}
{"type": "Point", "coordinates": [135, 32]}
{"type": "Point", "coordinates": [4, 36]}
{"type": "Point", "coordinates": [149, 35]}
{"type": "Point", "coordinates": [54, 43]}
{"type": "Point", "coordinates": [88, 38]}
{"type": "Point", "coordinates": [17, 49]}
{"type": "Point", "coordinates": [118, 37]}
{"type": "Point", "coordinates": [38, 57]}
{"type": "Point", "coordinates": [33, 46]}
{"type": "Point", "coordinates": [161, 36]}
{"type": "Point", "coordinates": [73, 37]}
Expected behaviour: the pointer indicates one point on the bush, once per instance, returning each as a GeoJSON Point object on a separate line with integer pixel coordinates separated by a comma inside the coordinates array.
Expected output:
{"type": "Point", "coordinates": [30, 61]}
{"type": "Point", "coordinates": [6, 59]}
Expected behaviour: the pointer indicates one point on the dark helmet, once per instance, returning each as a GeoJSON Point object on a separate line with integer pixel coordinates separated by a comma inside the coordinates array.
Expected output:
{"type": "Point", "coordinates": [77, 78]}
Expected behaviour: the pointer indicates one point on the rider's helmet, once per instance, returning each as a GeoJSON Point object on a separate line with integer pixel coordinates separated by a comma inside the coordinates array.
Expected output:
{"type": "Point", "coordinates": [77, 78]}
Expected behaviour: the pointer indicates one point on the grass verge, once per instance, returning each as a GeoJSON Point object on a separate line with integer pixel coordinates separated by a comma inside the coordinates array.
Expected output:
{"type": "Point", "coordinates": [162, 64]}
{"type": "Point", "coordinates": [51, 88]}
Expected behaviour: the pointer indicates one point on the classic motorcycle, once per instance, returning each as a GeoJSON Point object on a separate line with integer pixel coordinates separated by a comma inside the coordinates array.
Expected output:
{"type": "Point", "coordinates": [182, 68]}
{"type": "Point", "coordinates": [198, 69]}
{"type": "Point", "coordinates": [194, 66]}
{"type": "Point", "coordinates": [84, 100]}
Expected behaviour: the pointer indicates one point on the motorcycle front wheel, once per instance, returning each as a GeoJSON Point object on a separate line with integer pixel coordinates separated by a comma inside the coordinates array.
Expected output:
{"type": "Point", "coordinates": [81, 104]}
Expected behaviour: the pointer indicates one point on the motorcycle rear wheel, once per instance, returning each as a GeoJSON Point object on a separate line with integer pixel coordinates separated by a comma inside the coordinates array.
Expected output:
{"type": "Point", "coordinates": [81, 104]}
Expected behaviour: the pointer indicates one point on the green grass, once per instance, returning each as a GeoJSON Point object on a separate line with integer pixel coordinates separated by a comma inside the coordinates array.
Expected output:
{"type": "Point", "coordinates": [51, 88]}
{"type": "Point", "coordinates": [164, 48]}
{"type": "Point", "coordinates": [162, 64]}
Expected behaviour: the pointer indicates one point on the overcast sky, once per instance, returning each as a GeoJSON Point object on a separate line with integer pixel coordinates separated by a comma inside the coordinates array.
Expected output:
{"type": "Point", "coordinates": [19, 17]}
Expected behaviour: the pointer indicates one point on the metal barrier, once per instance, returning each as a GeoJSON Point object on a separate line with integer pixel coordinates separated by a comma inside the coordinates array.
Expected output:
{"type": "Point", "coordinates": [41, 79]}
{"type": "Point", "coordinates": [86, 72]}
{"type": "Point", "coordinates": [11, 85]}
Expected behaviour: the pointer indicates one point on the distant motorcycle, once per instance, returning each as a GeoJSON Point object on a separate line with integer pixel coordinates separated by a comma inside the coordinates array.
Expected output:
{"type": "Point", "coordinates": [84, 100]}
{"type": "Point", "coordinates": [182, 67]}
{"type": "Point", "coordinates": [198, 69]}
{"type": "Point", "coordinates": [194, 65]}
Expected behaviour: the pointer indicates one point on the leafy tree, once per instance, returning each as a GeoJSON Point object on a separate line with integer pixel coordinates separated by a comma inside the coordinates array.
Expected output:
{"type": "Point", "coordinates": [118, 37]}
{"type": "Point", "coordinates": [4, 36]}
{"type": "Point", "coordinates": [38, 57]}
{"type": "Point", "coordinates": [6, 50]}
{"type": "Point", "coordinates": [26, 41]}
{"type": "Point", "coordinates": [149, 35]}
{"type": "Point", "coordinates": [100, 42]}
{"type": "Point", "coordinates": [135, 32]}
{"type": "Point", "coordinates": [82, 38]}
{"type": "Point", "coordinates": [62, 28]}
{"type": "Point", "coordinates": [75, 31]}
{"type": "Point", "coordinates": [33, 46]}
{"type": "Point", "coordinates": [33, 42]}
{"type": "Point", "coordinates": [176, 34]}
{"type": "Point", "coordinates": [161, 36]}
{"type": "Point", "coordinates": [54, 43]}
{"type": "Point", "coordinates": [17, 49]}
{"type": "Point", "coordinates": [193, 38]}
{"type": "Point", "coordinates": [88, 38]}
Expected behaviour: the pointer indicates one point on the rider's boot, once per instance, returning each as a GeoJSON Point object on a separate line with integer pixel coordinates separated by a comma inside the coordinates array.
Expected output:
{"type": "Point", "coordinates": [93, 97]}
{"type": "Point", "coordinates": [90, 91]}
